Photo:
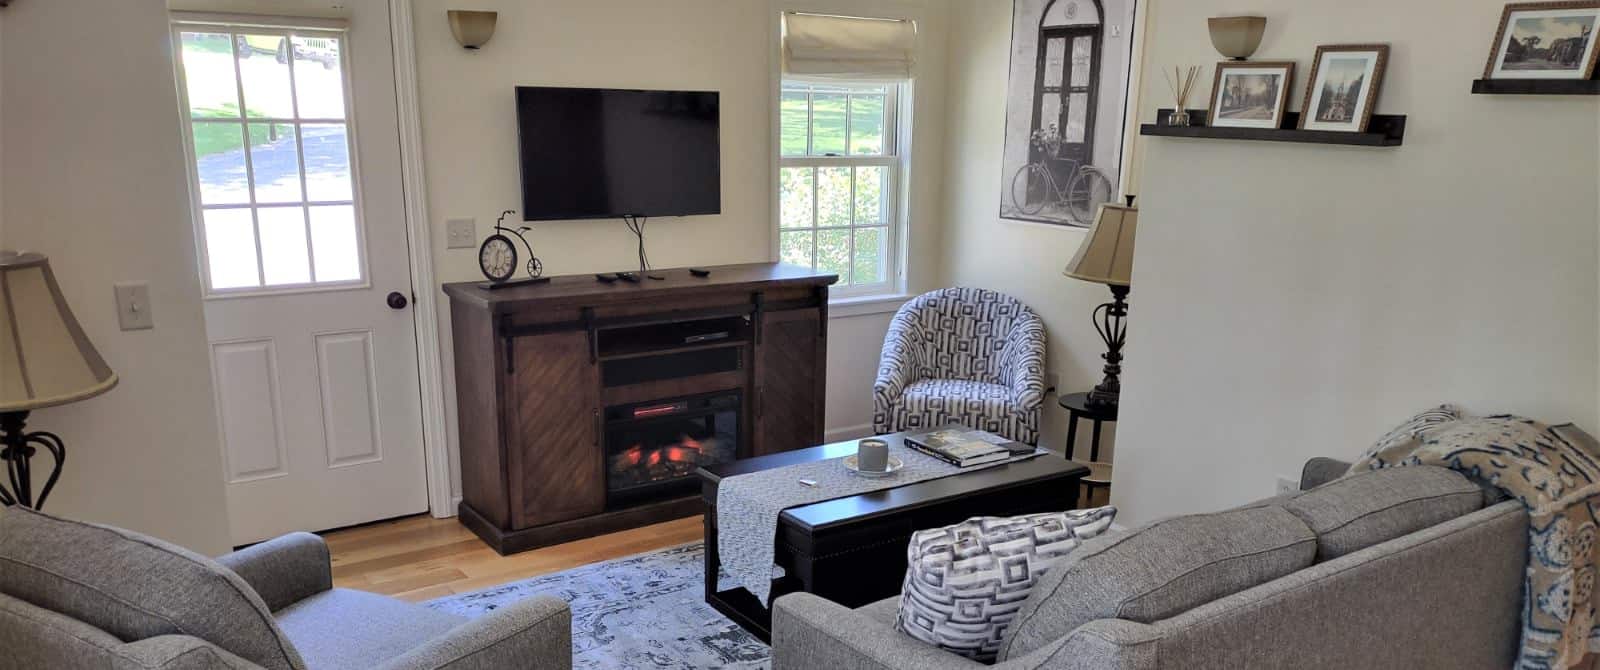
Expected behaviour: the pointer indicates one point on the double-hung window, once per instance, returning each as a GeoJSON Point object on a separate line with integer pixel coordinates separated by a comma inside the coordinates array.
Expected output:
{"type": "Point", "coordinates": [838, 176]}
{"type": "Point", "coordinates": [842, 155]}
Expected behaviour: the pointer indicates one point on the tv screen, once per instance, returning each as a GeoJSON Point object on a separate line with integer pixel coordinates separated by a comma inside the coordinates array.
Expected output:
{"type": "Point", "coordinates": [593, 152]}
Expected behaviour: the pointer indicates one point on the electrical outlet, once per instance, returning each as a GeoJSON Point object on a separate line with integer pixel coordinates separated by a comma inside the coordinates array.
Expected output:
{"type": "Point", "coordinates": [1287, 485]}
{"type": "Point", "coordinates": [1052, 380]}
{"type": "Point", "coordinates": [133, 306]}
{"type": "Point", "coordinates": [461, 233]}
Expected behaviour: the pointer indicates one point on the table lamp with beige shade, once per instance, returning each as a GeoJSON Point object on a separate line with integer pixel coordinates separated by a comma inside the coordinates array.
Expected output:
{"type": "Point", "coordinates": [1106, 257]}
{"type": "Point", "coordinates": [45, 360]}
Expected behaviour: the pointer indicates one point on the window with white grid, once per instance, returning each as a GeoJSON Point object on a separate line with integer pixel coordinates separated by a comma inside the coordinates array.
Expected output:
{"type": "Point", "coordinates": [838, 176]}
{"type": "Point", "coordinates": [267, 111]}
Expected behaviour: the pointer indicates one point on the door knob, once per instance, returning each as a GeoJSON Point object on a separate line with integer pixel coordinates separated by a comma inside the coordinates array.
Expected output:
{"type": "Point", "coordinates": [396, 300]}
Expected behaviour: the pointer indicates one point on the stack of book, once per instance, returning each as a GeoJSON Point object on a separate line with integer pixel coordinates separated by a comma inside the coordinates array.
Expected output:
{"type": "Point", "coordinates": [964, 447]}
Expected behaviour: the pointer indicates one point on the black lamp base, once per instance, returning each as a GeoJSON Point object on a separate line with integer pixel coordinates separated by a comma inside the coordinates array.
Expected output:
{"type": "Point", "coordinates": [1108, 321]}
{"type": "Point", "coordinates": [17, 447]}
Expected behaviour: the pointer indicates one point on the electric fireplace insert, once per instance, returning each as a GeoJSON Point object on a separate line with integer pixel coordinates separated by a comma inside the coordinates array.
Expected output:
{"type": "Point", "coordinates": [653, 448]}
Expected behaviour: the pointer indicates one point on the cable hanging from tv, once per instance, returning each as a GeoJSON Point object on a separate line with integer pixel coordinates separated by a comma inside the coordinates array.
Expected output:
{"type": "Point", "coordinates": [635, 224]}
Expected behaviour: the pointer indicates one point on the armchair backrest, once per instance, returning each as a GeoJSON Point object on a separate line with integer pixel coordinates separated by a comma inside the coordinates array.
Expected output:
{"type": "Point", "coordinates": [964, 333]}
{"type": "Point", "coordinates": [135, 587]}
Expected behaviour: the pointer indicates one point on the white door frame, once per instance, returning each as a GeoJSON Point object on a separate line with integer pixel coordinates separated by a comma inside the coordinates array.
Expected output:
{"type": "Point", "coordinates": [425, 302]}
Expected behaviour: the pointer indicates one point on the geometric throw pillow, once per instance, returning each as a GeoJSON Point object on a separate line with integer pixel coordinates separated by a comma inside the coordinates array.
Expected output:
{"type": "Point", "coordinates": [965, 583]}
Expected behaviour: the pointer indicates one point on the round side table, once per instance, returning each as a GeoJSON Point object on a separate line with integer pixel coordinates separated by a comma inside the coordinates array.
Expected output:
{"type": "Point", "coordinates": [1077, 406]}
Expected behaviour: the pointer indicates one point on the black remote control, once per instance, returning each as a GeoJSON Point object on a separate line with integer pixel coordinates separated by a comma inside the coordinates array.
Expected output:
{"type": "Point", "coordinates": [699, 273]}
{"type": "Point", "coordinates": [606, 278]}
{"type": "Point", "coordinates": [628, 277]}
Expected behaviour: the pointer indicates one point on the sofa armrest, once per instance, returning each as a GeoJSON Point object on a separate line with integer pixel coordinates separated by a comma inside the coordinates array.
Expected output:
{"type": "Point", "coordinates": [535, 633]}
{"type": "Point", "coordinates": [1319, 471]}
{"type": "Point", "coordinates": [813, 632]}
{"type": "Point", "coordinates": [176, 652]}
{"type": "Point", "coordinates": [284, 570]}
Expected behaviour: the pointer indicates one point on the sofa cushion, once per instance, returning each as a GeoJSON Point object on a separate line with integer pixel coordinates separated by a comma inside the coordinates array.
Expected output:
{"type": "Point", "coordinates": [1161, 570]}
{"type": "Point", "coordinates": [1363, 509]}
{"type": "Point", "coordinates": [341, 628]}
{"type": "Point", "coordinates": [134, 587]}
{"type": "Point", "coordinates": [965, 582]}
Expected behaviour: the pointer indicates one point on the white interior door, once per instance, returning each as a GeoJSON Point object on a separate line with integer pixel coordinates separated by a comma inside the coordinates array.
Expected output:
{"type": "Point", "coordinates": [292, 133]}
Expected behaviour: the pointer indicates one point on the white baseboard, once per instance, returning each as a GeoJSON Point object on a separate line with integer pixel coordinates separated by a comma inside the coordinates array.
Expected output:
{"type": "Point", "coordinates": [843, 433]}
{"type": "Point", "coordinates": [455, 503]}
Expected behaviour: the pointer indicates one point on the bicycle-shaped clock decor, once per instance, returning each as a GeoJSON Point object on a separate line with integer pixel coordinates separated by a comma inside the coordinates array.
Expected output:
{"type": "Point", "coordinates": [497, 257]}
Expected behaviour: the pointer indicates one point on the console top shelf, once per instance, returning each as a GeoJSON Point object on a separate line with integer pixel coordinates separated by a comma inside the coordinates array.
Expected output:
{"type": "Point", "coordinates": [584, 289]}
{"type": "Point", "coordinates": [1385, 130]}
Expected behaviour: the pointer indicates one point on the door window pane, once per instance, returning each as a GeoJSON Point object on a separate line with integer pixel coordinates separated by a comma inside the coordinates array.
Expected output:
{"type": "Point", "coordinates": [275, 162]}
{"type": "Point", "coordinates": [1077, 117]}
{"type": "Point", "coordinates": [283, 245]}
{"type": "Point", "coordinates": [208, 75]}
{"type": "Point", "coordinates": [318, 78]}
{"type": "Point", "coordinates": [828, 113]}
{"type": "Point", "coordinates": [231, 248]}
{"type": "Point", "coordinates": [1082, 56]}
{"type": "Point", "coordinates": [327, 156]}
{"type": "Point", "coordinates": [264, 74]}
{"type": "Point", "coordinates": [1054, 62]}
{"type": "Point", "coordinates": [866, 125]}
{"type": "Point", "coordinates": [334, 243]}
{"type": "Point", "coordinates": [795, 247]}
{"type": "Point", "coordinates": [794, 198]}
{"type": "Point", "coordinates": [794, 114]}
{"type": "Point", "coordinates": [219, 162]}
{"type": "Point", "coordinates": [833, 196]}
{"type": "Point", "coordinates": [1050, 113]}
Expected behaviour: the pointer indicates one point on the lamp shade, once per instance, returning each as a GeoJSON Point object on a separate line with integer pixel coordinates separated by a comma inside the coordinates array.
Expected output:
{"type": "Point", "coordinates": [1106, 256]}
{"type": "Point", "coordinates": [471, 29]}
{"type": "Point", "coordinates": [1237, 37]}
{"type": "Point", "coordinates": [45, 359]}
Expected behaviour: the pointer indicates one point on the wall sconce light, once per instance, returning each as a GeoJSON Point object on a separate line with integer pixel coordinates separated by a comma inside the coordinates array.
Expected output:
{"type": "Point", "coordinates": [1237, 37]}
{"type": "Point", "coordinates": [471, 29]}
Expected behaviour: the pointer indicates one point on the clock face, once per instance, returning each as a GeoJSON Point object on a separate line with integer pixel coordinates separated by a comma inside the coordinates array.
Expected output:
{"type": "Point", "coordinates": [497, 258]}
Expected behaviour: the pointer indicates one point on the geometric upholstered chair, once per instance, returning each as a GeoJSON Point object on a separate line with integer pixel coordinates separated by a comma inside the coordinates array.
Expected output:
{"type": "Point", "coordinates": [79, 595]}
{"type": "Point", "coordinates": [962, 355]}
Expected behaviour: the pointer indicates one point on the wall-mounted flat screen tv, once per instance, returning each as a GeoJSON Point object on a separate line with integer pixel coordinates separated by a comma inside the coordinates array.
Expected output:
{"type": "Point", "coordinates": [595, 152]}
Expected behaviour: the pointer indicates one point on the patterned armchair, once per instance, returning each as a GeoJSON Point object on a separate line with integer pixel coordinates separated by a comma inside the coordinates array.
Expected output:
{"type": "Point", "coordinates": [962, 355]}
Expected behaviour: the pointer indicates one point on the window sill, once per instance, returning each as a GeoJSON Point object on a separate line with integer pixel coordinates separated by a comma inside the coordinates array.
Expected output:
{"type": "Point", "coordinates": [865, 305]}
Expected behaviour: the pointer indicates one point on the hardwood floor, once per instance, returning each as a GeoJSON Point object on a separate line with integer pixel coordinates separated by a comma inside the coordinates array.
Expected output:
{"type": "Point", "coordinates": [420, 557]}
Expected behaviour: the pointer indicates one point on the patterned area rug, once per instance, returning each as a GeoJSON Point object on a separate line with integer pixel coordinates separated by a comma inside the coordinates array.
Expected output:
{"type": "Point", "coordinates": [641, 612]}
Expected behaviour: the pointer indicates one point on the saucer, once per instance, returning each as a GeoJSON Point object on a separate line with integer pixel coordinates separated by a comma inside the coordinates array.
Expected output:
{"type": "Point", "coordinates": [850, 463]}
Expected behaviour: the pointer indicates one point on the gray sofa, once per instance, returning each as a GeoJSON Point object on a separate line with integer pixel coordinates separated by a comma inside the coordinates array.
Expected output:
{"type": "Point", "coordinates": [78, 595]}
{"type": "Point", "coordinates": [1404, 568]}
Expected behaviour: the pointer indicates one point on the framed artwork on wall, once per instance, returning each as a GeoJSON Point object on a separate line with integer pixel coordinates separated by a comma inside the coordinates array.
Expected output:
{"type": "Point", "coordinates": [1343, 88]}
{"type": "Point", "coordinates": [1248, 94]}
{"type": "Point", "coordinates": [1066, 100]}
{"type": "Point", "coordinates": [1545, 40]}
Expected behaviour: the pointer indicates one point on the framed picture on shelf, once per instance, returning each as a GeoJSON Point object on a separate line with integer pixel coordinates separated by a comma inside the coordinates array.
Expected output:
{"type": "Point", "coordinates": [1248, 94]}
{"type": "Point", "coordinates": [1343, 88]}
{"type": "Point", "coordinates": [1545, 40]}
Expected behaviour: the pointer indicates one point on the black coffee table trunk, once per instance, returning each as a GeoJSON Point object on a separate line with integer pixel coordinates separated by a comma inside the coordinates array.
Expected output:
{"type": "Point", "coordinates": [852, 550]}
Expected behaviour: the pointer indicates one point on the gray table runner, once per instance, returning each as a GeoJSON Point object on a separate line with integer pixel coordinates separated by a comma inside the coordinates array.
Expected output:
{"type": "Point", "coordinates": [748, 505]}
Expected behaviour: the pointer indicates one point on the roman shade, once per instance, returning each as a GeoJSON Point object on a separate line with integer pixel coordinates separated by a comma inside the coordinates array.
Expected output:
{"type": "Point", "coordinates": [827, 47]}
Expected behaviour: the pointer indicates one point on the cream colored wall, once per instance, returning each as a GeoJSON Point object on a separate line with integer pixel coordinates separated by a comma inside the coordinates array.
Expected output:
{"type": "Point", "coordinates": [1299, 300]}
{"type": "Point", "coordinates": [94, 176]}
{"type": "Point", "coordinates": [469, 131]}
{"type": "Point", "coordinates": [1021, 259]}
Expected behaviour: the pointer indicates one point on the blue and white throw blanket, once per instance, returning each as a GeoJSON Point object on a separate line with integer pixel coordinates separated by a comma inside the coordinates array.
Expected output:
{"type": "Point", "coordinates": [1558, 480]}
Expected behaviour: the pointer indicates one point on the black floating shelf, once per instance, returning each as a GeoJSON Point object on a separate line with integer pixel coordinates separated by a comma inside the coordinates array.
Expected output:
{"type": "Point", "coordinates": [1536, 86]}
{"type": "Point", "coordinates": [1385, 130]}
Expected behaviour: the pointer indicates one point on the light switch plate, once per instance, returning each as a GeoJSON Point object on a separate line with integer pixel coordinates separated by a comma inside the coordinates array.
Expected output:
{"type": "Point", "coordinates": [461, 233]}
{"type": "Point", "coordinates": [133, 306]}
{"type": "Point", "coordinates": [1287, 485]}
